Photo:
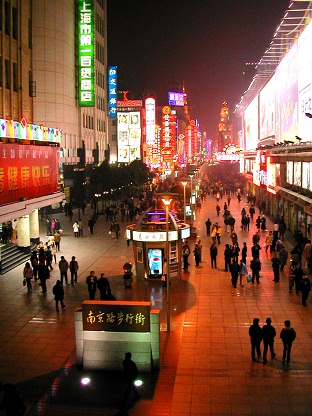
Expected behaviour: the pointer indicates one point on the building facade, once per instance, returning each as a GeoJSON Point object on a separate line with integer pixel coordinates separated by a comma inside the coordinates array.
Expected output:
{"type": "Point", "coordinates": [275, 116]}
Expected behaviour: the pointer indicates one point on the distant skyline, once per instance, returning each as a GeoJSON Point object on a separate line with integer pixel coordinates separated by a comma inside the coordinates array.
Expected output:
{"type": "Point", "coordinates": [159, 44]}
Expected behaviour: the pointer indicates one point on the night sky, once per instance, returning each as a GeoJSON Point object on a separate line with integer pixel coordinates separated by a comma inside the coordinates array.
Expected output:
{"type": "Point", "coordinates": [158, 44]}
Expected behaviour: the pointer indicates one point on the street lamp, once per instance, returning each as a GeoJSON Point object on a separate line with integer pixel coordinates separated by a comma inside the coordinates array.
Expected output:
{"type": "Point", "coordinates": [191, 175]}
{"type": "Point", "coordinates": [184, 183]}
{"type": "Point", "coordinates": [166, 201]}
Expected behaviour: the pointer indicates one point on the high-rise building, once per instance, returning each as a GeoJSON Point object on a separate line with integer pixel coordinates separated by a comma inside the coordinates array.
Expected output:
{"type": "Point", "coordinates": [53, 104]}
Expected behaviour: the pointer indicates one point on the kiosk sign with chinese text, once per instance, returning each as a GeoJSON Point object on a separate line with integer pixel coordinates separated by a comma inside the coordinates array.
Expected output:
{"type": "Point", "coordinates": [86, 53]}
{"type": "Point", "coordinates": [116, 316]}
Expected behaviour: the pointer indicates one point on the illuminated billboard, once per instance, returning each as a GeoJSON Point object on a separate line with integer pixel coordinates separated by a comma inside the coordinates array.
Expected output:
{"type": "Point", "coordinates": [267, 110]}
{"type": "Point", "coordinates": [28, 171]}
{"type": "Point", "coordinates": [128, 136]}
{"type": "Point", "coordinates": [176, 99]}
{"type": "Point", "coordinates": [112, 91]}
{"type": "Point", "coordinates": [251, 125]}
{"type": "Point", "coordinates": [86, 94]}
{"type": "Point", "coordinates": [150, 120]}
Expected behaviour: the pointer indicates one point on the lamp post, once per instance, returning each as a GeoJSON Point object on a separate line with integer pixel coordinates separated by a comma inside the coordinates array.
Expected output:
{"type": "Point", "coordinates": [191, 175]}
{"type": "Point", "coordinates": [184, 183]}
{"type": "Point", "coordinates": [166, 201]}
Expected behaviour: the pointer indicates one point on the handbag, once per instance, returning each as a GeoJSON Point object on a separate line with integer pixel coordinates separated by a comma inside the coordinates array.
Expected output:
{"type": "Point", "coordinates": [248, 278]}
{"type": "Point", "coordinates": [260, 275]}
{"type": "Point", "coordinates": [24, 282]}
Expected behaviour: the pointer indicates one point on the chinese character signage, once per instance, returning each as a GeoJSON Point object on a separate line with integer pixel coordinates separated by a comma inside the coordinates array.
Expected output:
{"type": "Point", "coordinates": [154, 236]}
{"type": "Point", "coordinates": [86, 53]}
{"type": "Point", "coordinates": [112, 91]}
{"type": "Point", "coordinates": [28, 171]}
{"type": "Point", "coordinates": [116, 316]}
{"type": "Point", "coordinates": [150, 117]}
{"type": "Point", "coordinates": [176, 98]}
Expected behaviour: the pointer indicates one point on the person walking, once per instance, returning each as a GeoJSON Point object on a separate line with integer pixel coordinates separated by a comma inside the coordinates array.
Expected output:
{"type": "Point", "coordinates": [91, 281]}
{"type": "Point", "coordinates": [196, 253]}
{"type": "Point", "coordinates": [63, 267]}
{"type": "Point", "coordinates": [305, 288]}
{"type": "Point", "coordinates": [185, 254]}
{"type": "Point", "coordinates": [76, 229]}
{"type": "Point", "coordinates": [73, 267]}
{"type": "Point", "coordinates": [208, 226]}
{"type": "Point", "coordinates": [269, 241]}
{"type": "Point", "coordinates": [234, 269]}
{"type": "Point", "coordinates": [58, 293]}
{"type": "Point", "coordinates": [130, 372]}
{"type": "Point", "coordinates": [43, 275]}
{"type": "Point", "coordinates": [298, 276]}
{"type": "Point", "coordinates": [57, 240]}
{"type": "Point", "coordinates": [268, 335]}
{"type": "Point", "coordinates": [91, 225]}
{"type": "Point", "coordinates": [34, 263]}
{"type": "Point", "coordinates": [244, 252]}
{"type": "Point", "coordinates": [27, 275]}
{"type": "Point", "coordinates": [255, 334]}
{"type": "Point", "coordinates": [81, 226]}
{"type": "Point", "coordinates": [287, 335]}
{"type": "Point", "coordinates": [227, 257]}
{"type": "Point", "coordinates": [255, 266]}
{"type": "Point", "coordinates": [213, 255]}
{"type": "Point", "coordinates": [103, 286]}
{"type": "Point", "coordinates": [243, 273]}
{"type": "Point", "coordinates": [276, 263]}
{"type": "Point", "coordinates": [218, 209]}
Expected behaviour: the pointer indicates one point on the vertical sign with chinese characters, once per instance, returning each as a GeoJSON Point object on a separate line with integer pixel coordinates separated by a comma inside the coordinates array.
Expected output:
{"type": "Point", "coordinates": [116, 316]}
{"type": "Point", "coordinates": [86, 53]}
{"type": "Point", "coordinates": [112, 91]}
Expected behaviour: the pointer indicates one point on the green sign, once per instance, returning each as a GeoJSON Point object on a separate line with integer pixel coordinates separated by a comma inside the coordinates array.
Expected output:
{"type": "Point", "coordinates": [86, 96]}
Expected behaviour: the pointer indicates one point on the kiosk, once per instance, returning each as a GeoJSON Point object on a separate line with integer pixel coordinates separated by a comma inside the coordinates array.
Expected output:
{"type": "Point", "coordinates": [149, 238]}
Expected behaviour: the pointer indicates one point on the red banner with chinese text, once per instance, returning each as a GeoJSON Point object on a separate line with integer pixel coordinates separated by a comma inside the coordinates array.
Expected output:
{"type": "Point", "coordinates": [28, 171]}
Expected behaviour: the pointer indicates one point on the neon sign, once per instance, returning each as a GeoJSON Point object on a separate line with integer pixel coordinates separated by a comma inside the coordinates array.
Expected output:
{"type": "Point", "coordinates": [86, 95]}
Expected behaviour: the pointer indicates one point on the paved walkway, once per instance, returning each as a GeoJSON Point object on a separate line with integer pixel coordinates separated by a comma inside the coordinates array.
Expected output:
{"type": "Point", "coordinates": [206, 363]}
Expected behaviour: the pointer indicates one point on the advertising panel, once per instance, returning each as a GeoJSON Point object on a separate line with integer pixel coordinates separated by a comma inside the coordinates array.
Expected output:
{"type": "Point", "coordinates": [305, 83]}
{"type": "Point", "coordinates": [251, 125]}
{"type": "Point", "coordinates": [297, 173]}
{"type": "Point", "coordinates": [28, 171]}
{"type": "Point", "coordinates": [176, 98]}
{"type": "Point", "coordinates": [267, 110]}
{"type": "Point", "coordinates": [112, 91]}
{"type": "Point", "coordinates": [287, 95]}
{"type": "Point", "coordinates": [155, 262]}
{"type": "Point", "coordinates": [129, 136]}
{"type": "Point", "coordinates": [85, 42]}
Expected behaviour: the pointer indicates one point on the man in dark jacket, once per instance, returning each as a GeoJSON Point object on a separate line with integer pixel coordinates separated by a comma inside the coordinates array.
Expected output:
{"type": "Point", "coordinates": [288, 335]}
{"type": "Point", "coordinates": [276, 263]}
{"type": "Point", "coordinates": [234, 269]}
{"type": "Point", "coordinates": [255, 334]}
{"type": "Point", "coordinates": [227, 257]}
{"type": "Point", "coordinates": [268, 334]}
{"type": "Point", "coordinates": [305, 287]}
{"type": "Point", "coordinates": [255, 266]}
{"type": "Point", "coordinates": [103, 286]}
{"type": "Point", "coordinates": [213, 255]}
